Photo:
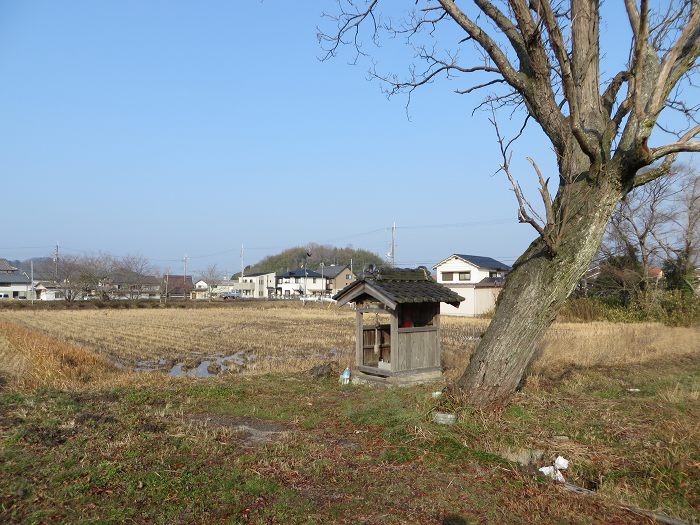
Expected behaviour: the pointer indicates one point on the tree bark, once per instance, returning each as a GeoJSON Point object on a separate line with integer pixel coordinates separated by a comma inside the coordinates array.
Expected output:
{"type": "Point", "coordinates": [537, 287]}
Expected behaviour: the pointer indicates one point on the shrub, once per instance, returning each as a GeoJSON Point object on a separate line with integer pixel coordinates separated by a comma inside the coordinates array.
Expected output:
{"type": "Point", "coordinates": [671, 307]}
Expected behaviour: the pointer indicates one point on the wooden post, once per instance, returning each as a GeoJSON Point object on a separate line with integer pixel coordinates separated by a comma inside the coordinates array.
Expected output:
{"type": "Point", "coordinates": [395, 345]}
{"type": "Point", "coordinates": [358, 338]}
{"type": "Point", "coordinates": [436, 323]}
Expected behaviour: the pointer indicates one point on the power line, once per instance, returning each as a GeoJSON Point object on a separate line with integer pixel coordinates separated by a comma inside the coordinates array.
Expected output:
{"type": "Point", "coordinates": [393, 228]}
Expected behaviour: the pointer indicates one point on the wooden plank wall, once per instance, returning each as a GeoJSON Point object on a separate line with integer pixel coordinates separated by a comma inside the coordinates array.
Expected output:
{"type": "Point", "coordinates": [419, 349]}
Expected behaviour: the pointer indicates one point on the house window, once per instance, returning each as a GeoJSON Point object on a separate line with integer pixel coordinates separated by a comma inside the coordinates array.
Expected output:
{"type": "Point", "coordinates": [296, 279]}
{"type": "Point", "coordinates": [286, 292]}
{"type": "Point", "coordinates": [465, 276]}
{"type": "Point", "coordinates": [495, 274]}
{"type": "Point", "coordinates": [314, 280]}
{"type": "Point", "coordinates": [447, 276]}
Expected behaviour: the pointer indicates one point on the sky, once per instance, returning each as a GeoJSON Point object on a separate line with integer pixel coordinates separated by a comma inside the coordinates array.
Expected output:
{"type": "Point", "coordinates": [173, 128]}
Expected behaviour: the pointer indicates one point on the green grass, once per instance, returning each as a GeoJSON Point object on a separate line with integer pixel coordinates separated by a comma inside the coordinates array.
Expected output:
{"type": "Point", "coordinates": [349, 454]}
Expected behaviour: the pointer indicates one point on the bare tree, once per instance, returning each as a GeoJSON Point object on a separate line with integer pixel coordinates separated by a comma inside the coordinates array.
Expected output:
{"type": "Point", "coordinates": [642, 217]}
{"type": "Point", "coordinates": [84, 276]}
{"type": "Point", "coordinates": [681, 243]}
{"type": "Point", "coordinates": [545, 56]}
{"type": "Point", "coordinates": [211, 276]}
{"type": "Point", "coordinates": [134, 272]}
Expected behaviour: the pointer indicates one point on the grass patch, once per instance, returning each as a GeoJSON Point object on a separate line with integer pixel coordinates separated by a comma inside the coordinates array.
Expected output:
{"type": "Point", "coordinates": [83, 441]}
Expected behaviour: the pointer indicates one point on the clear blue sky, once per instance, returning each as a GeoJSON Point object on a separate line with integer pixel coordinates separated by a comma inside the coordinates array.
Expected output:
{"type": "Point", "coordinates": [166, 128]}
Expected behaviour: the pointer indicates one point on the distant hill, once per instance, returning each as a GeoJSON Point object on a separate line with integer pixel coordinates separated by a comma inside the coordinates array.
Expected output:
{"type": "Point", "coordinates": [294, 257]}
{"type": "Point", "coordinates": [43, 267]}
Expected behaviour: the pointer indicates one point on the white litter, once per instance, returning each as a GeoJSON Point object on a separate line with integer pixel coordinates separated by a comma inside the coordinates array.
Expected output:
{"type": "Point", "coordinates": [633, 390]}
{"type": "Point", "coordinates": [561, 463]}
{"type": "Point", "coordinates": [345, 377]}
{"type": "Point", "coordinates": [553, 471]}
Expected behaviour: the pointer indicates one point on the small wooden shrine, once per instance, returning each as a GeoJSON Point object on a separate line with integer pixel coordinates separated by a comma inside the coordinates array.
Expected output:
{"type": "Point", "coordinates": [406, 350]}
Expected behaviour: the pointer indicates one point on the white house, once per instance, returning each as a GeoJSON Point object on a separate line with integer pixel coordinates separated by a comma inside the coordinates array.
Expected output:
{"type": "Point", "coordinates": [48, 291]}
{"type": "Point", "coordinates": [224, 286]}
{"type": "Point", "coordinates": [301, 282]}
{"type": "Point", "coordinates": [14, 284]}
{"type": "Point", "coordinates": [257, 285]}
{"type": "Point", "coordinates": [476, 278]}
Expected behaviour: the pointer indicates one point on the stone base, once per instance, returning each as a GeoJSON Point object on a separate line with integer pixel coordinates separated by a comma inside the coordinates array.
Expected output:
{"type": "Point", "coordinates": [408, 378]}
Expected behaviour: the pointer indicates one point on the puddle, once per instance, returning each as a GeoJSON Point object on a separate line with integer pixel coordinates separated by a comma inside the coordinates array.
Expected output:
{"type": "Point", "coordinates": [210, 366]}
{"type": "Point", "coordinates": [145, 365]}
{"type": "Point", "coordinates": [203, 366]}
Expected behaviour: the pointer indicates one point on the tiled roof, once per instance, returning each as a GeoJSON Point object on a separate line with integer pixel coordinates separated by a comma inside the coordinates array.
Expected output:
{"type": "Point", "coordinates": [491, 282]}
{"type": "Point", "coordinates": [300, 272]}
{"type": "Point", "coordinates": [179, 284]}
{"type": "Point", "coordinates": [484, 262]}
{"type": "Point", "coordinates": [333, 270]}
{"type": "Point", "coordinates": [256, 274]}
{"type": "Point", "coordinates": [14, 278]}
{"type": "Point", "coordinates": [401, 286]}
{"type": "Point", "coordinates": [5, 266]}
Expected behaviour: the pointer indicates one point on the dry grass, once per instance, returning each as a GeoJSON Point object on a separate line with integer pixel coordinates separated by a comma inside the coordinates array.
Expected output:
{"type": "Point", "coordinates": [569, 346]}
{"type": "Point", "coordinates": [278, 336]}
{"type": "Point", "coordinates": [287, 337]}
{"type": "Point", "coordinates": [30, 360]}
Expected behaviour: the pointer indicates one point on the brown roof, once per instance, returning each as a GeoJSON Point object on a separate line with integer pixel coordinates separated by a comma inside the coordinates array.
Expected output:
{"type": "Point", "coordinates": [178, 284]}
{"type": "Point", "coordinates": [394, 286]}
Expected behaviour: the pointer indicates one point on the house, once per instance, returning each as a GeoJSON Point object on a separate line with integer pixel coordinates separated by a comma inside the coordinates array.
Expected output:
{"type": "Point", "coordinates": [337, 277]}
{"type": "Point", "coordinates": [218, 288]}
{"type": "Point", "coordinates": [48, 291]}
{"type": "Point", "coordinates": [126, 284]}
{"type": "Point", "coordinates": [177, 286]}
{"type": "Point", "coordinates": [300, 282]}
{"type": "Point", "coordinates": [14, 284]}
{"type": "Point", "coordinates": [257, 285]}
{"type": "Point", "coordinates": [477, 278]}
{"type": "Point", "coordinates": [200, 290]}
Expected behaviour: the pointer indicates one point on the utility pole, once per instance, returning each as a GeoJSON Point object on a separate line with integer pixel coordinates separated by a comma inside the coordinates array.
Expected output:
{"type": "Point", "coordinates": [167, 278]}
{"type": "Point", "coordinates": [184, 278]}
{"type": "Point", "coordinates": [55, 262]}
{"type": "Point", "coordinates": [393, 244]}
{"type": "Point", "coordinates": [323, 285]}
{"type": "Point", "coordinates": [351, 266]}
{"type": "Point", "coordinates": [31, 271]}
{"type": "Point", "coordinates": [241, 259]}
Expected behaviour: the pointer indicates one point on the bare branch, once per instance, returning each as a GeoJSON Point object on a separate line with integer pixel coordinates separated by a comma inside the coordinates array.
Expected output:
{"type": "Point", "coordinates": [685, 144]}
{"type": "Point", "coordinates": [348, 24]}
{"type": "Point", "coordinates": [479, 86]}
{"type": "Point", "coordinates": [487, 43]}
{"type": "Point", "coordinates": [544, 192]}
{"type": "Point", "coordinates": [633, 15]}
{"type": "Point", "coordinates": [436, 66]}
{"type": "Point", "coordinates": [556, 40]}
{"type": "Point", "coordinates": [526, 212]}
{"type": "Point", "coordinates": [640, 43]}
{"type": "Point", "coordinates": [686, 51]}
{"type": "Point", "coordinates": [610, 94]}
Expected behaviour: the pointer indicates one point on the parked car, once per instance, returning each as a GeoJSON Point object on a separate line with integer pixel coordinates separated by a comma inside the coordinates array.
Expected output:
{"type": "Point", "coordinates": [227, 296]}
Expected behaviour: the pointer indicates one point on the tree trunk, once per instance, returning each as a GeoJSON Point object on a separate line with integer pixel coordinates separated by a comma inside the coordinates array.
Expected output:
{"type": "Point", "coordinates": [536, 289]}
